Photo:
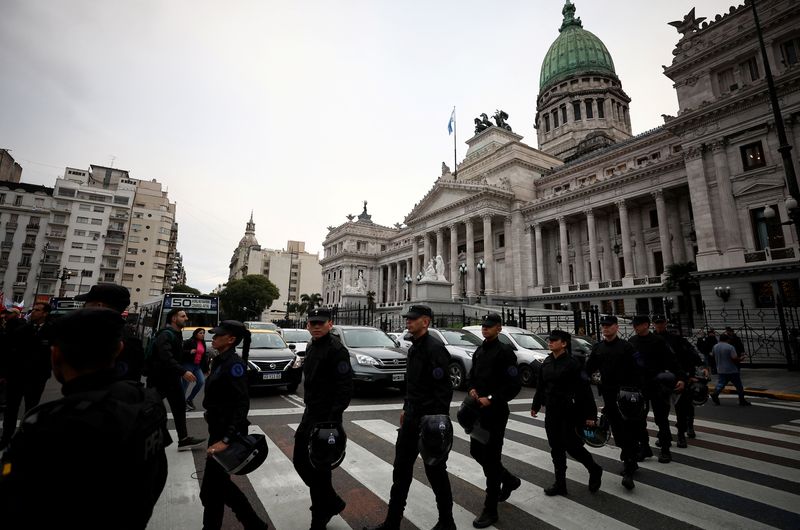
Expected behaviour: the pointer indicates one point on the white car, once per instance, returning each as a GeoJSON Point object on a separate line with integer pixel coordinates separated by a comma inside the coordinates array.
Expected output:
{"type": "Point", "coordinates": [299, 337]}
{"type": "Point", "coordinates": [460, 344]}
{"type": "Point", "coordinates": [530, 349]}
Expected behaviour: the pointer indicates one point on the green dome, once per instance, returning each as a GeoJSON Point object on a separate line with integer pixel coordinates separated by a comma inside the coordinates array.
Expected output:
{"type": "Point", "coordinates": [575, 51]}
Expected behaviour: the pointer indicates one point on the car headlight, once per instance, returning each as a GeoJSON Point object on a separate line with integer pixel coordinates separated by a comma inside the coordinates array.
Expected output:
{"type": "Point", "coordinates": [366, 360]}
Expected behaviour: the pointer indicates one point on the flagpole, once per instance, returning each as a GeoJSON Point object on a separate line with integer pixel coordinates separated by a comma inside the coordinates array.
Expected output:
{"type": "Point", "coordinates": [455, 144]}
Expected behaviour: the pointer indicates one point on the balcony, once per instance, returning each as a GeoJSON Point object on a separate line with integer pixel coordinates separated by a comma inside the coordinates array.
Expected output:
{"type": "Point", "coordinates": [7, 244]}
{"type": "Point", "coordinates": [23, 265]}
{"type": "Point", "coordinates": [109, 266]}
{"type": "Point", "coordinates": [11, 225]}
{"type": "Point", "coordinates": [20, 286]}
{"type": "Point", "coordinates": [28, 246]}
{"type": "Point", "coordinates": [3, 263]}
{"type": "Point", "coordinates": [62, 208]}
{"type": "Point", "coordinates": [770, 254]}
{"type": "Point", "coordinates": [57, 235]}
{"type": "Point", "coordinates": [33, 227]}
{"type": "Point", "coordinates": [60, 222]}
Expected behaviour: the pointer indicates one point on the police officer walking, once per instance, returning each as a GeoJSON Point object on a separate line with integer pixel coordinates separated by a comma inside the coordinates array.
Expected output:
{"type": "Point", "coordinates": [565, 392]}
{"type": "Point", "coordinates": [227, 403]}
{"type": "Point", "coordinates": [493, 381]}
{"type": "Point", "coordinates": [614, 358]}
{"type": "Point", "coordinates": [662, 377]}
{"type": "Point", "coordinates": [688, 360]}
{"type": "Point", "coordinates": [328, 385]}
{"type": "Point", "coordinates": [428, 392]}
{"type": "Point", "coordinates": [95, 458]}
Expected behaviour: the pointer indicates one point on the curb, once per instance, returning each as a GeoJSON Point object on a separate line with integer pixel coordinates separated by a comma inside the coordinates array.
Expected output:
{"type": "Point", "coordinates": [772, 394]}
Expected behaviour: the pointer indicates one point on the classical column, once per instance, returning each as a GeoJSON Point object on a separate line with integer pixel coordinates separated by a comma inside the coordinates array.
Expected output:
{"type": "Point", "coordinates": [663, 228]}
{"type": "Point", "coordinates": [562, 234]}
{"type": "Point", "coordinates": [733, 237]}
{"type": "Point", "coordinates": [707, 249]}
{"type": "Point", "coordinates": [470, 258]}
{"type": "Point", "coordinates": [379, 294]}
{"type": "Point", "coordinates": [527, 250]}
{"type": "Point", "coordinates": [639, 250]}
{"type": "Point", "coordinates": [414, 265]}
{"type": "Point", "coordinates": [594, 265]}
{"type": "Point", "coordinates": [488, 253]}
{"type": "Point", "coordinates": [508, 288]}
{"type": "Point", "coordinates": [398, 281]}
{"type": "Point", "coordinates": [454, 261]}
{"type": "Point", "coordinates": [626, 239]}
{"type": "Point", "coordinates": [577, 244]}
{"type": "Point", "coordinates": [674, 216]}
{"type": "Point", "coordinates": [537, 231]}
{"type": "Point", "coordinates": [439, 243]}
{"type": "Point", "coordinates": [518, 261]}
{"type": "Point", "coordinates": [389, 296]}
{"type": "Point", "coordinates": [426, 249]}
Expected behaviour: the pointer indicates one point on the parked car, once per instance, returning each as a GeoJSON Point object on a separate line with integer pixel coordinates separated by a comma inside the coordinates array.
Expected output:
{"type": "Point", "coordinates": [262, 325]}
{"type": "Point", "coordinates": [299, 337]}
{"type": "Point", "coordinates": [530, 349]}
{"type": "Point", "coordinates": [400, 339]}
{"type": "Point", "coordinates": [375, 357]}
{"type": "Point", "coordinates": [461, 345]}
{"type": "Point", "coordinates": [271, 361]}
{"type": "Point", "coordinates": [581, 345]}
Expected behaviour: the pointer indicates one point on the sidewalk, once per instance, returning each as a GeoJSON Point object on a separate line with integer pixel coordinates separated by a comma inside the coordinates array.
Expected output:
{"type": "Point", "coordinates": [775, 383]}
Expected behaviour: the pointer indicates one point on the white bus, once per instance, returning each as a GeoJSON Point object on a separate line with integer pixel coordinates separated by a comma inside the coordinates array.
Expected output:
{"type": "Point", "coordinates": [202, 310]}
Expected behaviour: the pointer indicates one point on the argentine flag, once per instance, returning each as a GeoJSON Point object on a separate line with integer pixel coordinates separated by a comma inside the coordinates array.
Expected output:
{"type": "Point", "coordinates": [452, 122]}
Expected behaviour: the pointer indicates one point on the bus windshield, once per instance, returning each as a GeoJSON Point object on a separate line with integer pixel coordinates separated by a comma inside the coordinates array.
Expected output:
{"type": "Point", "coordinates": [202, 310]}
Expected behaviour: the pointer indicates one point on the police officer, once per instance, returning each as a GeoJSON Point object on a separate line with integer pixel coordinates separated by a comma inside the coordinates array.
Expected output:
{"type": "Point", "coordinates": [328, 384]}
{"type": "Point", "coordinates": [614, 358]}
{"type": "Point", "coordinates": [95, 458]}
{"type": "Point", "coordinates": [658, 360]}
{"type": "Point", "coordinates": [564, 390]}
{"type": "Point", "coordinates": [493, 381]}
{"type": "Point", "coordinates": [688, 360]}
{"type": "Point", "coordinates": [130, 363]}
{"type": "Point", "coordinates": [428, 391]}
{"type": "Point", "coordinates": [227, 403]}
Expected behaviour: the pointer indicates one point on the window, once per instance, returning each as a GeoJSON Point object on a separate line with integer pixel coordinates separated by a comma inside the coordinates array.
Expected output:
{"type": "Point", "coordinates": [600, 110]}
{"type": "Point", "coordinates": [87, 273]}
{"type": "Point", "coordinates": [750, 69]}
{"type": "Point", "coordinates": [99, 209]}
{"type": "Point", "coordinates": [501, 240]}
{"type": "Point", "coordinates": [133, 251]}
{"type": "Point", "coordinates": [110, 277]}
{"type": "Point", "coordinates": [18, 200]}
{"type": "Point", "coordinates": [589, 110]}
{"type": "Point", "coordinates": [789, 51]}
{"type": "Point", "coordinates": [641, 161]}
{"type": "Point", "coordinates": [725, 81]}
{"type": "Point", "coordinates": [97, 221]}
{"type": "Point", "coordinates": [767, 232]}
{"type": "Point", "coordinates": [34, 221]}
{"type": "Point", "coordinates": [22, 277]}
{"type": "Point", "coordinates": [74, 259]}
{"type": "Point", "coordinates": [155, 292]}
{"type": "Point", "coordinates": [89, 259]}
{"type": "Point", "coordinates": [2, 198]}
{"type": "Point", "coordinates": [25, 260]}
{"type": "Point", "coordinates": [764, 293]}
{"type": "Point", "coordinates": [121, 200]}
{"type": "Point", "coordinates": [546, 123]}
{"type": "Point", "coordinates": [82, 220]}
{"type": "Point", "coordinates": [134, 239]}
{"type": "Point", "coordinates": [130, 263]}
{"type": "Point", "coordinates": [555, 119]}
{"type": "Point", "coordinates": [66, 192]}
{"type": "Point", "coordinates": [94, 235]}
{"type": "Point", "coordinates": [658, 259]}
{"type": "Point", "coordinates": [752, 156]}
{"type": "Point", "coordinates": [91, 246]}
{"type": "Point", "coordinates": [576, 110]}
{"type": "Point", "coordinates": [127, 277]}
{"type": "Point", "coordinates": [653, 218]}
{"type": "Point", "coordinates": [79, 233]}
{"type": "Point", "coordinates": [77, 245]}
{"type": "Point", "coordinates": [84, 207]}
{"type": "Point", "coordinates": [563, 113]}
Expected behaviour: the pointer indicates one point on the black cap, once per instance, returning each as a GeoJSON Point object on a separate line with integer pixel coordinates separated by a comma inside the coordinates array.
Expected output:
{"type": "Point", "coordinates": [560, 334]}
{"type": "Point", "coordinates": [608, 320]}
{"type": "Point", "coordinates": [319, 314]}
{"type": "Point", "coordinates": [113, 295]}
{"type": "Point", "coordinates": [416, 311]}
{"type": "Point", "coordinates": [491, 319]}
{"type": "Point", "coordinates": [659, 318]}
{"type": "Point", "coordinates": [230, 327]}
{"type": "Point", "coordinates": [640, 319]}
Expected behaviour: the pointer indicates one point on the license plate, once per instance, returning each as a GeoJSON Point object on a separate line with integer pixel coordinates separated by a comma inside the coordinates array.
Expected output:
{"type": "Point", "coordinates": [398, 377]}
{"type": "Point", "coordinates": [274, 375]}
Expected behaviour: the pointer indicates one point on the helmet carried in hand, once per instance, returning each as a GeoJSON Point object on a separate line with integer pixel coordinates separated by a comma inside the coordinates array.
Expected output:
{"type": "Point", "coordinates": [435, 438]}
{"type": "Point", "coordinates": [326, 445]}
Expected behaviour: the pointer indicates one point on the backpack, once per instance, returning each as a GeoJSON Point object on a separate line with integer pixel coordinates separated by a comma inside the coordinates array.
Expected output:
{"type": "Point", "coordinates": [148, 351]}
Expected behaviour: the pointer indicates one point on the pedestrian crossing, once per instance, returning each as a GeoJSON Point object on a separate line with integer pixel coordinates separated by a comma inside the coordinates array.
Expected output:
{"type": "Point", "coordinates": [729, 477]}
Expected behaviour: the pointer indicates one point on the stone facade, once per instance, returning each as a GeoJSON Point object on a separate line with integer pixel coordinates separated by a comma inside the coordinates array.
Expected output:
{"type": "Point", "coordinates": [600, 228]}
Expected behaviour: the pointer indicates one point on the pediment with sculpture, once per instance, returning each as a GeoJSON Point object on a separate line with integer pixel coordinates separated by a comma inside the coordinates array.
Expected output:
{"type": "Point", "coordinates": [445, 196]}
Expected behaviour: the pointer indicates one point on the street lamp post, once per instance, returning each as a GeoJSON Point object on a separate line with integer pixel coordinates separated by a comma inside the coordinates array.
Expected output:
{"type": "Point", "coordinates": [481, 266]}
{"type": "Point", "coordinates": [669, 303]}
{"type": "Point", "coordinates": [39, 276]}
{"type": "Point", "coordinates": [407, 280]}
{"type": "Point", "coordinates": [65, 275]}
{"type": "Point", "coordinates": [462, 270]}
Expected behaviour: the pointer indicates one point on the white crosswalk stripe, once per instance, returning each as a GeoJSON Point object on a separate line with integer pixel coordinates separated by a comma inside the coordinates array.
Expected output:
{"type": "Point", "coordinates": [767, 502]}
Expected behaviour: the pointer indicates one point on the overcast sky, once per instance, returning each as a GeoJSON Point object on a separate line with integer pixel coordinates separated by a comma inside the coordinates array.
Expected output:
{"type": "Point", "coordinates": [298, 110]}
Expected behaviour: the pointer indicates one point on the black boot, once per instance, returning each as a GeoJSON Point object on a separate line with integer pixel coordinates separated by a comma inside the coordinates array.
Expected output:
{"type": "Point", "coordinates": [644, 452]}
{"type": "Point", "coordinates": [487, 518]}
{"type": "Point", "coordinates": [690, 429]}
{"type": "Point", "coordinates": [665, 457]}
{"type": "Point", "coordinates": [744, 403]}
{"type": "Point", "coordinates": [509, 485]}
{"type": "Point", "coordinates": [595, 476]}
{"type": "Point", "coordinates": [681, 440]}
{"type": "Point", "coordinates": [627, 474]}
{"type": "Point", "coordinates": [559, 487]}
{"type": "Point", "coordinates": [445, 524]}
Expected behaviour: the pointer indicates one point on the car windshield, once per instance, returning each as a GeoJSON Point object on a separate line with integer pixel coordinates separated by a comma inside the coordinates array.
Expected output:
{"type": "Point", "coordinates": [529, 341]}
{"type": "Point", "coordinates": [460, 338]}
{"type": "Point", "coordinates": [262, 325]}
{"type": "Point", "coordinates": [367, 338]}
{"type": "Point", "coordinates": [296, 335]}
{"type": "Point", "coordinates": [266, 341]}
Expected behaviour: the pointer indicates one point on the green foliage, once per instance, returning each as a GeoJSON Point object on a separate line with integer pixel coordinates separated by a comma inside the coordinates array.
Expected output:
{"type": "Point", "coordinates": [183, 288]}
{"type": "Point", "coordinates": [247, 298]}
{"type": "Point", "coordinates": [679, 277]}
{"type": "Point", "coordinates": [310, 301]}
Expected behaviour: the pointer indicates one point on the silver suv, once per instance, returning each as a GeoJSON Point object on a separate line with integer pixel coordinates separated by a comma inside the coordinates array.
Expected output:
{"type": "Point", "coordinates": [375, 357]}
{"type": "Point", "coordinates": [461, 345]}
{"type": "Point", "coordinates": [530, 349]}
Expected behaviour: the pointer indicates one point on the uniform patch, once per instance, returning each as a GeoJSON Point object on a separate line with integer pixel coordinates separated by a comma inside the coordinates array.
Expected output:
{"type": "Point", "coordinates": [513, 371]}
{"type": "Point", "coordinates": [438, 373]}
{"type": "Point", "coordinates": [343, 367]}
{"type": "Point", "coordinates": [237, 370]}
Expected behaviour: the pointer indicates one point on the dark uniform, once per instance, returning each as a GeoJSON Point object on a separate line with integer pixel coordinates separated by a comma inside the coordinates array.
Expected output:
{"type": "Point", "coordinates": [565, 392]}
{"type": "Point", "coordinates": [164, 373]}
{"type": "Point", "coordinates": [656, 357]}
{"type": "Point", "coordinates": [95, 458]}
{"type": "Point", "coordinates": [705, 345]}
{"type": "Point", "coordinates": [494, 375]}
{"type": "Point", "coordinates": [428, 391]}
{"type": "Point", "coordinates": [688, 360]}
{"type": "Point", "coordinates": [618, 368]}
{"type": "Point", "coordinates": [328, 384]}
{"type": "Point", "coordinates": [227, 403]}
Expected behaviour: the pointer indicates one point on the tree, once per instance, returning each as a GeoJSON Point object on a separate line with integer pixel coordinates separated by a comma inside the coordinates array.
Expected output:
{"type": "Point", "coordinates": [679, 278]}
{"type": "Point", "coordinates": [247, 298]}
{"type": "Point", "coordinates": [311, 300]}
{"type": "Point", "coordinates": [183, 288]}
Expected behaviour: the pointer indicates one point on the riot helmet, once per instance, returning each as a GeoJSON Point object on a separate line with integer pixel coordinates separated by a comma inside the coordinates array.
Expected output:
{"type": "Point", "coordinates": [699, 390]}
{"type": "Point", "coordinates": [435, 438]}
{"type": "Point", "coordinates": [631, 404]}
{"type": "Point", "coordinates": [468, 413]}
{"type": "Point", "coordinates": [326, 445]}
{"type": "Point", "coordinates": [244, 454]}
{"type": "Point", "coordinates": [596, 436]}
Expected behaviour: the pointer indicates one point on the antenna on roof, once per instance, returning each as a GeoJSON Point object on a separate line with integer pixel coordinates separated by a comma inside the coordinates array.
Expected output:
{"type": "Point", "coordinates": [113, 158]}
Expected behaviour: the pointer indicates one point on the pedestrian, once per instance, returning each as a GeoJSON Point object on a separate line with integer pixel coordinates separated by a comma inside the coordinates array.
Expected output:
{"type": "Point", "coordinates": [227, 403]}
{"type": "Point", "coordinates": [328, 385]}
{"type": "Point", "coordinates": [164, 373]}
{"type": "Point", "coordinates": [563, 389]}
{"type": "Point", "coordinates": [493, 381]}
{"type": "Point", "coordinates": [27, 366]}
{"type": "Point", "coordinates": [619, 369]}
{"type": "Point", "coordinates": [728, 369]}
{"type": "Point", "coordinates": [130, 362]}
{"type": "Point", "coordinates": [95, 458]}
{"type": "Point", "coordinates": [428, 392]}
{"type": "Point", "coordinates": [736, 342]}
{"type": "Point", "coordinates": [689, 360]}
{"type": "Point", "coordinates": [195, 360]}
{"type": "Point", "coordinates": [705, 345]}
